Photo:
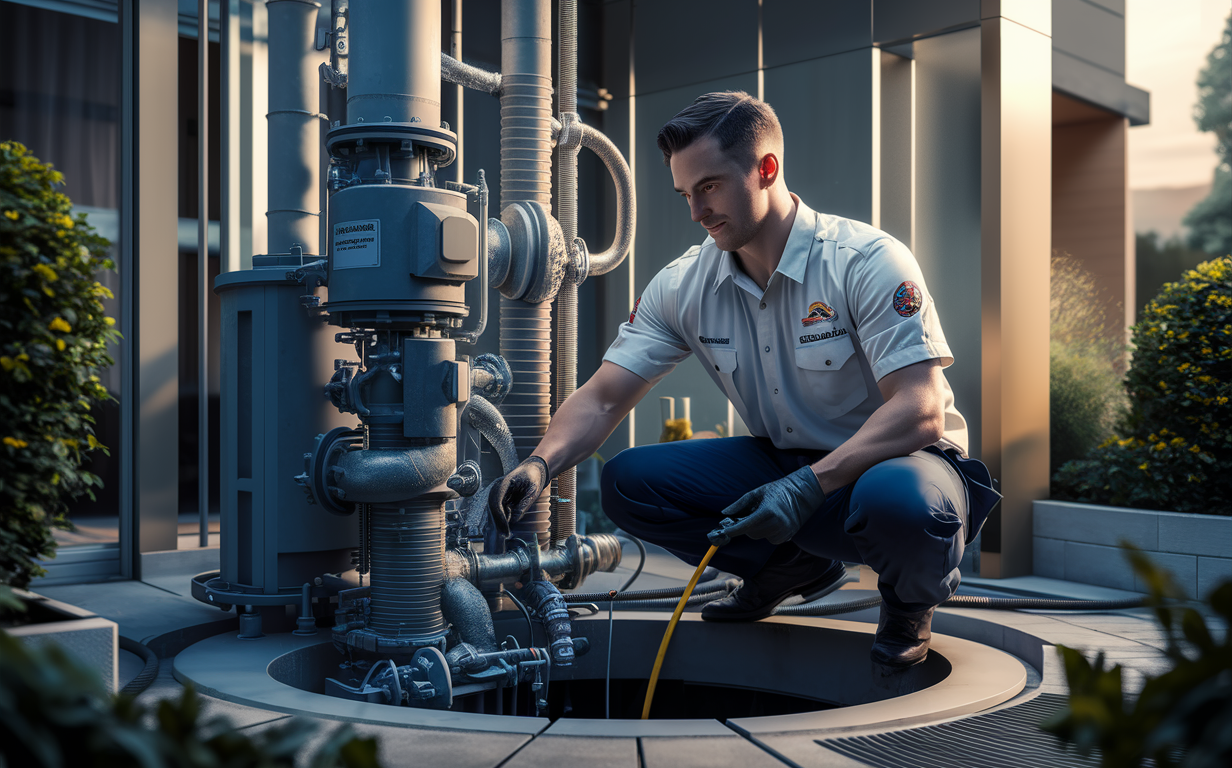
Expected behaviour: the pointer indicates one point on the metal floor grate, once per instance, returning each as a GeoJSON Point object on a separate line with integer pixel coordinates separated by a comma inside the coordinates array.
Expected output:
{"type": "Point", "coordinates": [1007, 737]}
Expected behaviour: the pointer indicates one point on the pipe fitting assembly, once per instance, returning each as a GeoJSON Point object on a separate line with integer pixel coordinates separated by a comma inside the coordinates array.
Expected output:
{"type": "Point", "coordinates": [429, 431]}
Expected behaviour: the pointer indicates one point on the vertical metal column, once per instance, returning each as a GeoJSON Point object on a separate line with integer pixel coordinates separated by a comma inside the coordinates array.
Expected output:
{"type": "Point", "coordinates": [526, 174]}
{"type": "Point", "coordinates": [564, 506]}
{"type": "Point", "coordinates": [294, 123]}
{"type": "Point", "coordinates": [455, 50]}
{"type": "Point", "coordinates": [203, 272]}
{"type": "Point", "coordinates": [148, 406]}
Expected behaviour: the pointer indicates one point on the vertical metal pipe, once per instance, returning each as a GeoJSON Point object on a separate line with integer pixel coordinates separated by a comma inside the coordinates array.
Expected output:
{"type": "Point", "coordinates": [395, 62]}
{"type": "Point", "coordinates": [203, 272]}
{"type": "Point", "coordinates": [294, 122]}
{"type": "Point", "coordinates": [564, 506]}
{"type": "Point", "coordinates": [455, 50]}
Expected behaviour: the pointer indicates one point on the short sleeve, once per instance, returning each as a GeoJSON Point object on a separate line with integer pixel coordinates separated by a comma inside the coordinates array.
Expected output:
{"type": "Point", "coordinates": [896, 319]}
{"type": "Point", "coordinates": [648, 344]}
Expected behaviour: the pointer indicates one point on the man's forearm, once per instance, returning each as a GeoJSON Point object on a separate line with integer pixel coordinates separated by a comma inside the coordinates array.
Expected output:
{"type": "Point", "coordinates": [578, 428]}
{"type": "Point", "coordinates": [898, 428]}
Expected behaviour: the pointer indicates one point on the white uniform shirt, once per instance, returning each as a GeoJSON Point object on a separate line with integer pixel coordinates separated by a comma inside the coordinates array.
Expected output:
{"type": "Point", "coordinates": [799, 361]}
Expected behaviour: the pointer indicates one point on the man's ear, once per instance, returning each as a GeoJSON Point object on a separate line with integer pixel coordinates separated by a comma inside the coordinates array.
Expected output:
{"type": "Point", "coordinates": [768, 170]}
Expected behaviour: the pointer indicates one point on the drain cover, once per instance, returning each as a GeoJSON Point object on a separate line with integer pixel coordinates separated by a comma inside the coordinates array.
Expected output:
{"type": "Point", "coordinates": [1006, 737]}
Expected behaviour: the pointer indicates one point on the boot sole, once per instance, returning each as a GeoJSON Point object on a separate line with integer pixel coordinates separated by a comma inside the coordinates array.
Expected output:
{"type": "Point", "coordinates": [823, 585]}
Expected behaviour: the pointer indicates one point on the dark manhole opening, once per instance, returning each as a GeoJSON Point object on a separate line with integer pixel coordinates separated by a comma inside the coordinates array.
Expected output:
{"type": "Point", "coordinates": [674, 700]}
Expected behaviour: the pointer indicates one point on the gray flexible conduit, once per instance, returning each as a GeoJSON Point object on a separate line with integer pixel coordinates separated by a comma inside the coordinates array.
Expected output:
{"type": "Point", "coordinates": [468, 76]}
{"type": "Point", "coordinates": [668, 597]}
{"type": "Point", "coordinates": [705, 588]}
{"type": "Point", "coordinates": [526, 174]}
{"type": "Point", "coordinates": [147, 674]}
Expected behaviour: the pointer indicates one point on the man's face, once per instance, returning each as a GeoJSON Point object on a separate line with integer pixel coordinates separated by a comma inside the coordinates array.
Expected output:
{"type": "Point", "coordinates": [723, 196]}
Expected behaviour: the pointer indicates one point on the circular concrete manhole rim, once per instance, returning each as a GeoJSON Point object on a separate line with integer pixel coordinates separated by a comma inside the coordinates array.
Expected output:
{"type": "Point", "coordinates": [236, 670]}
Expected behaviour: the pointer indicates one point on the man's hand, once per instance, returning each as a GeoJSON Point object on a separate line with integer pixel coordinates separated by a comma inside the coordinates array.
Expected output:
{"type": "Point", "coordinates": [517, 492]}
{"type": "Point", "coordinates": [775, 511]}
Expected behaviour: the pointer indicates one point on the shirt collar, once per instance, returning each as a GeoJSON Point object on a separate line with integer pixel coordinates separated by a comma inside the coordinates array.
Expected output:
{"type": "Point", "coordinates": [795, 254]}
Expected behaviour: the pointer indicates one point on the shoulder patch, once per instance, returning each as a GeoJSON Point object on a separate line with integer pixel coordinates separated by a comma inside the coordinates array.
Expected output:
{"type": "Point", "coordinates": [908, 298]}
{"type": "Point", "coordinates": [633, 312]}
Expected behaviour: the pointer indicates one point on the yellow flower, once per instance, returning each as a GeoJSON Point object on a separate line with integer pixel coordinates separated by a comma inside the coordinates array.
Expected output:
{"type": "Point", "coordinates": [60, 345]}
{"type": "Point", "coordinates": [47, 272]}
{"type": "Point", "coordinates": [15, 443]}
{"type": "Point", "coordinates": [1144, 465]}
{"type": "Point", "coordinates": [59, 324]}
{"type": "Point", "coordinates": [109, 320]}
{"type": "Point", "coordinates": [1160, 446]}
{"type": "Point", "coordinates": [1183, 368]}
{"type": "Point", "coordinates": [1177, 441]}
{"type": "Point", "coordinates": [12, 215]}
{"type": "Point", "coordinates": [1195, 449]}
{"type": "Point", "coordinates": [7, 363]}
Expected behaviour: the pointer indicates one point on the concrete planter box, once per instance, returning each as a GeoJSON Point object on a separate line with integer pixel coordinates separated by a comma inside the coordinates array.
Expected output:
{"type": "Point", "coordinates": [94, 641]}
{"type": "Point", "coordinates": [1079, 542]}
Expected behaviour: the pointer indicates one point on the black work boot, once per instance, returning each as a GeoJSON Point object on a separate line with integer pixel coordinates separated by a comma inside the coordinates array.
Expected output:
{"type": "Point", "coordinates": [758, 596]}
{"type": "Point", "coordinates": [902, 637]}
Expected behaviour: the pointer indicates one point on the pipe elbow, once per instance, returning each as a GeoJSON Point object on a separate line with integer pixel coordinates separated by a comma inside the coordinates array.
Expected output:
{"type": "Point", "coordinates": [385, 476]}
{"type": "Point", "coordinates": [491, 424]}
{"type": "Point", "coordinates": [626, 206]}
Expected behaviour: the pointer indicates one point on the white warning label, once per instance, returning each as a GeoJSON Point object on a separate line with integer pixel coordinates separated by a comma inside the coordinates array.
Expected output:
{"type": "Point", "coordinates": [357, 244]}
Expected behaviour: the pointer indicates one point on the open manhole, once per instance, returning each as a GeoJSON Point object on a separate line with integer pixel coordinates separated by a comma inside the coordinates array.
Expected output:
{"type": "Point", "coordinates": [793, 670]}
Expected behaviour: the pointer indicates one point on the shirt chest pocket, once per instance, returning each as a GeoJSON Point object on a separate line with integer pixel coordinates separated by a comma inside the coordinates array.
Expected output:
{"type": "Point", "coordinates": [830, 376]}
{"type": "Point", "coordinates": [723, 369]}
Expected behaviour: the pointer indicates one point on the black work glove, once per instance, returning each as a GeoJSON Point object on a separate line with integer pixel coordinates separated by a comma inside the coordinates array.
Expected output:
{"type": "Point", "coordinates": [775, 511]}
{"type": "Point", "coordinates": [517, 492]}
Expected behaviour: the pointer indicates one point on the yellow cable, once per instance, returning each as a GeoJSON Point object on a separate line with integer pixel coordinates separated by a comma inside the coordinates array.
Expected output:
{"type": "Point", "coordinates": [671, 627]}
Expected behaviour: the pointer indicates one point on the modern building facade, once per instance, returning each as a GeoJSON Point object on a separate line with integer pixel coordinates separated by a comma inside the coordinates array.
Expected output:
{"type": "Point", "coordinates": [982, 133]}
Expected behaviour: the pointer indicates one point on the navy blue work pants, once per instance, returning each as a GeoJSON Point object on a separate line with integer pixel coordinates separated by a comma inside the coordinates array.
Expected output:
{"type": "Point", "coordinates": [906, 518]}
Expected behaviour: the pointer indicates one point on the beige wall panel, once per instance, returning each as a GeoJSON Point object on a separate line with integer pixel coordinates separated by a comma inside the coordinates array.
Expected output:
{"type": "Point", "coordinates": [1016, 128]}
{"type": "Point", "coordinates": [1090, 219]}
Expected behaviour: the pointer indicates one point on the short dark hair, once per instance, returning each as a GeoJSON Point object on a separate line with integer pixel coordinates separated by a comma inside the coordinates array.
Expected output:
{"type": "Point", "coordinates": [740, 122]}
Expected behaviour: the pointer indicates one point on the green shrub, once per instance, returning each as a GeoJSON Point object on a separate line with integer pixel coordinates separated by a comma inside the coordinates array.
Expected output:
{"type": "Point", "coordinates": [1186, 710]}
{"type": "Point", "coordinates": [1085, 393]}
{"type": "Point", "coordinates": [1175, 446]}
{"type": "Point", "coordinates": [1087, 357]}
{"type": "Point", "coordinates": [53, 336]}
{"type": "Point", "coordinates": [54, 712]}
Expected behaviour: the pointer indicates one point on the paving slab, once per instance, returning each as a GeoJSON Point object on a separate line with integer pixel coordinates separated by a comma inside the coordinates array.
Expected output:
{"type": "Point", "coordinates": [705, 752]}
{"type": "Point", "coordinates": [588, 751]}
{"type": "Point", "coordinates": [141, 610]}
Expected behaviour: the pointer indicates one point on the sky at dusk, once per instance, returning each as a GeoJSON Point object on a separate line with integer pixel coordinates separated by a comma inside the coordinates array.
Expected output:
{"type": "Point", "coordinates": [1167, 42]}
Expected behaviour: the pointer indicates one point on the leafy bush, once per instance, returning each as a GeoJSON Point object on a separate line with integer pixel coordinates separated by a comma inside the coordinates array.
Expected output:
{"type": "Point", "coordinates": [1187, 709]}
{"type": "Point", "coordinates": [54, 712]}
{"type": "Point", "coordinates": [1176, 445]}
{"type": "Point", "coordinates": [53, 336]}
{"type": "Point", "coordinates": [1086, 362]}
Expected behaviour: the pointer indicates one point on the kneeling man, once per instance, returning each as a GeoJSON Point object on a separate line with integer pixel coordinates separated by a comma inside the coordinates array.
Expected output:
{"type": "Point", "coordinates": [822, 333]}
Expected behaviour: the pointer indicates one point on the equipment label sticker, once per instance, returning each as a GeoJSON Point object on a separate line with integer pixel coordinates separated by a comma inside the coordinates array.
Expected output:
{"type": "Point", "coordinates": [357, 244]}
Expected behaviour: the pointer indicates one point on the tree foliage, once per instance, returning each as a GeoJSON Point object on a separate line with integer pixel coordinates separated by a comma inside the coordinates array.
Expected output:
{"type": "Point", "coordinates": [53, 338]}
{"type": "Point", "coordinates": [1210, 221]}
{"type": "Point", "coordinates": [1175, 445]}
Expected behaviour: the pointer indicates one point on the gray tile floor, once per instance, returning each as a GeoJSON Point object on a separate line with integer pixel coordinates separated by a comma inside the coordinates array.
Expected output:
{"type": "Point", "coordinates": [1129, 637]}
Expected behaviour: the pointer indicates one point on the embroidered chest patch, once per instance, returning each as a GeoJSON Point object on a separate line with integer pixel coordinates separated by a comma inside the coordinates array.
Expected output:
{"type": "Point", "coordinates": [908, 298]}
{"type": "Point", "coordinates": [818, 312]}
{"type": "Point", "coordinates": [633, 312]}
